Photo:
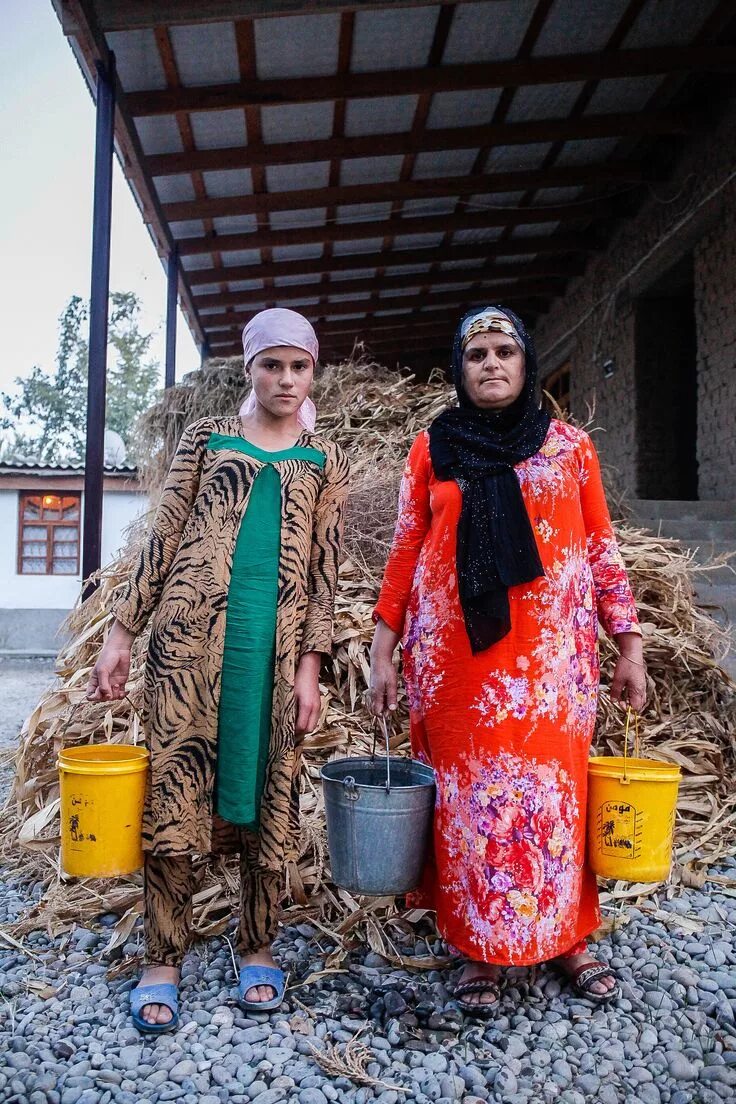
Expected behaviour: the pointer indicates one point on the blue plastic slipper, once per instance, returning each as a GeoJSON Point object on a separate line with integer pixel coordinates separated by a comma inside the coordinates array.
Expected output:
{"type": "Point", "coordinates": [261, 975]}
{"type": "Point", "coordinates": [165, 993]}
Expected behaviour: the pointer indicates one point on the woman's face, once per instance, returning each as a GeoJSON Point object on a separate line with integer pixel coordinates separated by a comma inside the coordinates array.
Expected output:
{"type": "Point", "coordinates": [493, 370]}
{"type": "Point", "coordinates": [282, 377]}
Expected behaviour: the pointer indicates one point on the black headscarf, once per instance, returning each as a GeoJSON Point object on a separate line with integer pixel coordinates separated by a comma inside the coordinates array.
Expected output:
{"type": "Point", "coordinates": [478, 448]}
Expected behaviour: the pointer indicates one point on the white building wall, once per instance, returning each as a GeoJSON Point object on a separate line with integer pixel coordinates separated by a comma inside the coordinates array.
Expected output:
{"type": "Point", "coordinates": [119, 509]}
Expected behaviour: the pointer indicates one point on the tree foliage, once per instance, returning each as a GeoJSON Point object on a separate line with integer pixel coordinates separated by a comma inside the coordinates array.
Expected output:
{"type": "Point", "coordinates": [47, 414]}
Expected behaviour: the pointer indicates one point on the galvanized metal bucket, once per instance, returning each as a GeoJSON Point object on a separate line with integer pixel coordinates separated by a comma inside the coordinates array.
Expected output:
{"type": "Point", "coordinates": [379, 819]}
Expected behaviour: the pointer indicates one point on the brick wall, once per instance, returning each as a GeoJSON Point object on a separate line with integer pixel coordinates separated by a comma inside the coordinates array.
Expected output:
{"type": "Point", "coordinates": [605, 299]}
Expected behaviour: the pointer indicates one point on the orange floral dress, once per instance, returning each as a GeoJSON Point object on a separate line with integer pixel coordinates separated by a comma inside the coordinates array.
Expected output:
{"type": "Point", "coordinates": [508, 730]}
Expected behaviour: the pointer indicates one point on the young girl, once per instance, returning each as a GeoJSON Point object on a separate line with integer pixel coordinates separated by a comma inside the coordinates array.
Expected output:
{"type": "Point", "coordinates": [239, 571]}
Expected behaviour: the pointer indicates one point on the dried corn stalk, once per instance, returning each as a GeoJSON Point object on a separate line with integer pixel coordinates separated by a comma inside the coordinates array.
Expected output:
{"type": "Point", "coordinates": [375, 413]}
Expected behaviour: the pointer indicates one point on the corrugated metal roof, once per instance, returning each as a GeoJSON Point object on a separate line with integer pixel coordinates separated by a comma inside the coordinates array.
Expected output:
{"type": "Point", "coordinates": [393, 39]}
{"type": "Point", "coordinates": [218, 129]}
{"type": "Point", "coordinates": [32, 466]}
{"type": "Point", "coordinates": [360, 97]}
{"type": "Point", "coordinates": [300, 46]}
{"type": "Point", "coordinates": [206, 53]}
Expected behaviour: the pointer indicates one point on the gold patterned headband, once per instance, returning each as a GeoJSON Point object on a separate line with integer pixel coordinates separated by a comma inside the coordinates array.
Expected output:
{"type": "Point", "coordinates": [490, 321]}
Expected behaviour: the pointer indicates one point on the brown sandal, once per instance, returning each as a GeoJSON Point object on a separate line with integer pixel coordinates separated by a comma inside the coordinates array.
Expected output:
{"type": "Point", "coordinates": [478, 985]}
{"type": "Point", "coordinates": [582, 978]}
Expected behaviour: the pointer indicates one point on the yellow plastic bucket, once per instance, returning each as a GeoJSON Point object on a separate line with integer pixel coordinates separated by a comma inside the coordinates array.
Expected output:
{"type": "Point", "coordinates": [631, 816]}
{"type": "Point", "coordinates": [102, 791]}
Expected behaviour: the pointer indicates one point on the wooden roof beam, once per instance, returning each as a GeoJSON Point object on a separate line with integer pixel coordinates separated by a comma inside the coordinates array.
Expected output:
{"type": "Point", "coordinates": [387, 325]}
{"type": "Point", "coordinates": [565, 176]}
{"type": "Point", "coordinates": [205, 301]}
{"type": "Point", "coordinates": [632, 125]}
{"type": "Point", "coordinates": [543, 243]}
{"type": "Point", "coordinates": [139, 14]}
{"type": "Point", "coordinates": [236, 319]}
{"type": "Point", "coordinates": [549, 265]}
{"type": "Point", "coordinates": [440, 224]}
{"type": "Point", "coordinates": [511, 73]}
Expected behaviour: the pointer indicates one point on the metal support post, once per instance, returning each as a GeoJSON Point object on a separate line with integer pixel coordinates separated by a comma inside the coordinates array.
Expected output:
{"type": "Point", "coordinates": [172, 289]}
{"type": "Point", "coordinates": [94, 460]}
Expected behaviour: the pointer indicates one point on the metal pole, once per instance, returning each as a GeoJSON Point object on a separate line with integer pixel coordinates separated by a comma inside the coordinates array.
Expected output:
{"type": "Point", "coordinates": [94, 459]}
{"type": "Point", "coordinates": [204, 351]}
{"type": "Point", "coordinates": [172, 288]}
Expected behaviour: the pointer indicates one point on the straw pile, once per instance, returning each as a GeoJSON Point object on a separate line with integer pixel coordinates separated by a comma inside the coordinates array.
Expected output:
{"type": "Point", "coordinates": [375, 414]}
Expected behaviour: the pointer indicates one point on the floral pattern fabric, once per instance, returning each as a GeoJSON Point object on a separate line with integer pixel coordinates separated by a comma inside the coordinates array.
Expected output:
{"type": "Point", "coordinates": [508, 731]}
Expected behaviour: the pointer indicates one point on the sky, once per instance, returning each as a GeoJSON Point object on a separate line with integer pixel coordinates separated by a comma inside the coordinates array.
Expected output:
{"type": "Point", "coordinates": [47, 130]}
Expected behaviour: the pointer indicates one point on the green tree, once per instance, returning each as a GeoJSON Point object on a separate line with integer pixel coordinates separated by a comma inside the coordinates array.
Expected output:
{"type": "Point", "coordinates": [47, 415]}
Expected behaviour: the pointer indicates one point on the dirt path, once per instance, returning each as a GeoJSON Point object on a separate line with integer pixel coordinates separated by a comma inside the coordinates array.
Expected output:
{"type": "Point", "coordinates": [22, 681]}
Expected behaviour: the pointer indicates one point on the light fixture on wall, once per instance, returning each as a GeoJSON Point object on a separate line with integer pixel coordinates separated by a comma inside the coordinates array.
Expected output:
{"type": "Point", "coordinates": [609, 367]}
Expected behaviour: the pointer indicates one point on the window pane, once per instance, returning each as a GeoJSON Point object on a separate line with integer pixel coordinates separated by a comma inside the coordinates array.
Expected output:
{"type": "Point", "coordinates": [34, 548]}
{"type": "Point", "coordinates": [34, 532]}
{"type": "Point", "coordinates": [33, 566]}
{"type": "Point", "coordinates": [65, 533]}
{"type": "Point", "coordinates": [66, 551]}
{"type": "Point", "coordinates": [32, 508]}
{"type": "Point", "coordinates": [70, 509]}
{"type": "Point", "coordinates": [64, 566]}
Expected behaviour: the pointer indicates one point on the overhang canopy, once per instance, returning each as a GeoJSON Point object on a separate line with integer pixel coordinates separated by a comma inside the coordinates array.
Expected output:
{"type": "Point", "coordinates": [379, 166]}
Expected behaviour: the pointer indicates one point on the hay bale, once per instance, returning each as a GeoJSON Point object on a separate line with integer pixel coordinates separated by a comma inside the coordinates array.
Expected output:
{"type": "Point", "coordinates": [375, 414]}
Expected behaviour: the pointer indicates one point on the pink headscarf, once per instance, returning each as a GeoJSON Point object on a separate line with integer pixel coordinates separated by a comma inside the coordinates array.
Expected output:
{"type": "Point", "coordinates": [269, 329]}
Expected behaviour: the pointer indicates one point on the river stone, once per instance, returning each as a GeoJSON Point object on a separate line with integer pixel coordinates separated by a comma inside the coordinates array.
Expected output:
{"type": "Point", "coordinates": [680, 1067]}
{"type": "Point", "coordinates": [435, 1062]}
{"type": "Point", "coordinates": [182, 1070]}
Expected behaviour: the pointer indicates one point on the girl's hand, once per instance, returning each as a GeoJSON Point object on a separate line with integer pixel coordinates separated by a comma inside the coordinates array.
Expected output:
{"type": "Point", "coordinates": [306, 692]}
{"type": "Point", "coordinates": [110, 673]}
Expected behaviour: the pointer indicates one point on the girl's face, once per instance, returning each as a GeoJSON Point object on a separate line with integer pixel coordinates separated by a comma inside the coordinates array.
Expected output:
{"type": "Point", "coordinates": [493, 370]}
{"type": "Point", "coordinates": [281, 377]}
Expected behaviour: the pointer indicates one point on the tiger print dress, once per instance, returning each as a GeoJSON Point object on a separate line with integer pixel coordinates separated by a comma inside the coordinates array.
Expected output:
{"type": "Point", "coordinates": [181, 579]}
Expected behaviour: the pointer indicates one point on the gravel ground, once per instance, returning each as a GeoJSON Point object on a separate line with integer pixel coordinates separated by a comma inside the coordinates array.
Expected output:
{"type": "Point", "coordinates": [66, 1036]}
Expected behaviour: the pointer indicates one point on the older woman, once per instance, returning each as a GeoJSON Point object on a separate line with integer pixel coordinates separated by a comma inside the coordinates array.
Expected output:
{"type": "Point", "coordinates": [503, 562]}
{"type": "Point", "coordinates": [239, 571]}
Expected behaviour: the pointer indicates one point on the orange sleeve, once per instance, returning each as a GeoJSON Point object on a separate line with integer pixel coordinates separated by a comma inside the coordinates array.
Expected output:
{"type": "Point", "coordinates": [412, 526]}
{"type": "Point", "coordinates": [614, 599]}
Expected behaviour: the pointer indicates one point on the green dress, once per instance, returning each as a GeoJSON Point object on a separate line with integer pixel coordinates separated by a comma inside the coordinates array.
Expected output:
{"type": "Point", "coordinates": [246, 689]}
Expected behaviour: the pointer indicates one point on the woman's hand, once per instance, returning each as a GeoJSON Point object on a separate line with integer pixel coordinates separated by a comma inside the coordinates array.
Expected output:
{"type": "Point", "coordinates": [110, 673]}
{"type": "Point", "coordinates": [383, 689]}
{"type": "Point", "coordinates": [629, 685]}
{"type": "Point", "coordinates": [306, 692]}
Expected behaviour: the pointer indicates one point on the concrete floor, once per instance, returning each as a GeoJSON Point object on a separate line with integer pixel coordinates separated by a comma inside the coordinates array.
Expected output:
{"type": "Point", "coordinates": [22, 681]}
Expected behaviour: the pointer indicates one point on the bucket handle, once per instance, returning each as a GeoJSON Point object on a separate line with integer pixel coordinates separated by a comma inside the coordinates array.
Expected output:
{"type": "Point", "coordinates": [384, 725]}
{"type": "Point", "coordinates": [629, 711]}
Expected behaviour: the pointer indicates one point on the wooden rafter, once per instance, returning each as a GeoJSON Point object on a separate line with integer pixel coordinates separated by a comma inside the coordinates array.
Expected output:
{"type": "Point", "coordinates": [353, 231]}
{"type": "Point", "coordinates": [237, 318]}
{"type": "Point", "coordinates": [139, 14]}
{"type": "Point", "coordinates": [476, 184]}
{"type": "Point", "coordinates": [512, 73]}
{"type": "Point", "coordinates": [208, 300]}
{"type": "Point", "coordinates": [183, 122]}
{"type": "Point", "coordinates": [632, 124]}
{"type": "Point", "coordinates": [339, 115]}
{"type": "Point", "coordinates": [628, 18]}
{"type": "Point", "coordinates": [378, 327]}
{"type": "Point", "coordinates": [246, 47]}
{"type": "Point", "coordinates": [549, 265]}
{"type": "Point", "coordinates": [536, 22]}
